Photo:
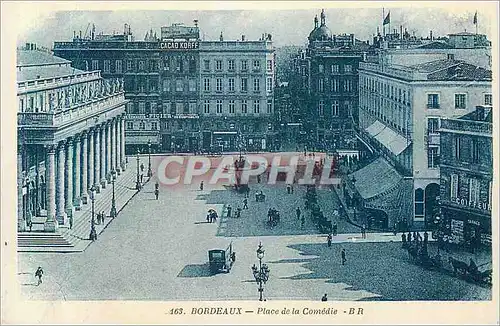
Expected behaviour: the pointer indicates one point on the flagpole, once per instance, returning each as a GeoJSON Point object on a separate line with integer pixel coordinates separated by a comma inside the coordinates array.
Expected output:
{"type": "Point", "coordinates": [383, 18]}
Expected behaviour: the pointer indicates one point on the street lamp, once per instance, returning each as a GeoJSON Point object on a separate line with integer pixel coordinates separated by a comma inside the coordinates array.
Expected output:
{"type": "Point", "coordinates": [138, 182]}
{"type": "Point", "coordinates": [261, 273]}
{"type": "Point", "coordinates": [93, 233]}
{"type": "Point", "coordinates": [112, 213]}
{"type": "Point", "coordinates": [150, 173]}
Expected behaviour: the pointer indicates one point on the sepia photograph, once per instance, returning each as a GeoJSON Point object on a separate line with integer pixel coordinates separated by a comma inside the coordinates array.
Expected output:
{"type": "Point", "coordinates": [296, 161]}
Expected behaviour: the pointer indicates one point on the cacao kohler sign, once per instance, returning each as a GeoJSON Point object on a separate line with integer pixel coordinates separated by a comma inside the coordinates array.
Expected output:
{"type": "Point", "coordinates": [179, 45]}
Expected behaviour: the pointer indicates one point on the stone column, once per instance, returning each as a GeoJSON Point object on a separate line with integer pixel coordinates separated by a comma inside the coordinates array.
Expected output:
{"type": "Point", "coordinates": [97, 161]}
{"type": "Point", "coordinates": [91, 161]}
{"type": "Point", "coordinates": [113, 144]}
{"type": "Point", "coordinates": [60, 205]}
{"type": "Point", "coordinates": [77, 173]}
{"type": "Point", "coordinates": [50, 224]}
{"type": "Point", "coordinates": [21, 223]}
{"type": "Point", "coordinates": [84, 187]}
{"type": "Point", "coordinates": [69, 180]}
{"type": "Point", "coordinates": [118, 144]}
{"type": "Point", "coordinates": [108, 152]}
{"type": "Point", "coordinates": [116, 161]}
{"type": "Point", "coordinates": [122, 144]}
{"type": "Point", "coordinates": [102, 150]}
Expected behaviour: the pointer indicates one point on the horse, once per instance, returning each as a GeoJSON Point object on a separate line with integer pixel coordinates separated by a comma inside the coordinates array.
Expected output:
{"type": "Point", "coordinates": [413, 252]}
{"type": "Point", "coordinates": [458, 265]}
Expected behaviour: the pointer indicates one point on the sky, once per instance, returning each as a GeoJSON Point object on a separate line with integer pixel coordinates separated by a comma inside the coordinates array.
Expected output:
{"type": "Point", "coordinates": [288, 27]}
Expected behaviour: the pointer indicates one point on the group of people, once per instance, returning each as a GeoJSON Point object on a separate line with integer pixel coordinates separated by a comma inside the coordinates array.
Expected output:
{"type": "Point", "coordinates": [100, 217]}
{"type": "Point", "coordinates": [237, 214]}
{"type": "Point", "coordinates": [273, 216]}
{"type": "Point", "coordinates": [212, 216]}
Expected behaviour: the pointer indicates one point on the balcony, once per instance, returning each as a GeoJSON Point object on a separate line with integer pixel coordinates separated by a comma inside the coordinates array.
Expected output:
{"type": "Point", "coordinates": [470, 126]}
{"type": "Point", "coordinates": [71, 114]}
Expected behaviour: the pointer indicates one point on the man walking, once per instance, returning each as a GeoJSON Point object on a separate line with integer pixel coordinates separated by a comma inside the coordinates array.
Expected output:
{"type": "Point", "coordinates": [298, 212]}
{"type": "Point", "coordinates": [342, 255]}
{"type": "Point", "coordinates": [201, 185]}
{"type": "Point", "coordinates": [363, 231]}
{"type": "Point", "coordinates": [157, 192]}
{"type": "Point", "coordinates": [245, 203]}
{"type": "Point", "coordinates": [39, 274]}
{"type": "Point", "coordinates": [229, 209]}
{"type": "Point", "coordinates": [329, 240]}
{"type": "Point", "coordinates": [324, 298]}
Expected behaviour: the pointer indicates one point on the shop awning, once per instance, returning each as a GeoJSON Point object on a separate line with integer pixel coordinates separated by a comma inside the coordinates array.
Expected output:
{"type": "Point", "coordinates": [375, 179]}
{"type": "Point", "coordinates": [388, 137]}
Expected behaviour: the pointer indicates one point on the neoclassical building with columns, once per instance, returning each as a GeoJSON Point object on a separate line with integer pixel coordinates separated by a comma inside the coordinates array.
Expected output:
{"type": "Point", "coordinates": [71, 132]}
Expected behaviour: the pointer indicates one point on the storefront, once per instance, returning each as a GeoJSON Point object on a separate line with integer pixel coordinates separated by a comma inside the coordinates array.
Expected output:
{"type": "Point", "coordinates": [469, 228]}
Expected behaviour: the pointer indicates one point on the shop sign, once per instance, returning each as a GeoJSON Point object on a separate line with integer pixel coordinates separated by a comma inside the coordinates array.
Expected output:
{"type": "Point", "coordinates": [465, 202]}
{"type": "Point", "coordinates": [474, 222]}
{"type": "Point", "coordinates": [180, 116]}
{"type": "Point", "coordinates": [179, 45]}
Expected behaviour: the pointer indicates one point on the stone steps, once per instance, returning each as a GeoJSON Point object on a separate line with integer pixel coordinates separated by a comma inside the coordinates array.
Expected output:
{"type": "Point", "coordinates": [41, 239]}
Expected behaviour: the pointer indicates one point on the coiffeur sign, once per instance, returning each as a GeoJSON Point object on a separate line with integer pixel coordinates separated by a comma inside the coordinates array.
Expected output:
{"type": "Point", "coordinates": [179, 45]}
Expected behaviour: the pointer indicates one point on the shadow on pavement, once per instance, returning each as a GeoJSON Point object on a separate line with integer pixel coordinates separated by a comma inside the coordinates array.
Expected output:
{"type": "Point", "coordinates": [195, 270]}
{"type": "Point", "coordinates": [382, 269]}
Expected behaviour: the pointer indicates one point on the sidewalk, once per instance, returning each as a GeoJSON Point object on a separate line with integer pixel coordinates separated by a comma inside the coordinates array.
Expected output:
{"type": "Point", "coordinates": [78, 235]}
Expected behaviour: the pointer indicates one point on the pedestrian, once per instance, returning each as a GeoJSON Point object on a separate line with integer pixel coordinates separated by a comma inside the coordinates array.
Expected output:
{"type": "Point", "coordinates": [329, 240]}
{"type": "Point", "coordinates": [201, 185]}
{"type": "Point", "coordinates": [142, 167]}
{"type": "Point", "coordinates": [209, 220]}
{"type": "Point", "coordinates": [334, 228]}
{"type": "Point", "coordinates": [157, 185]}
{"type": "Point", "coordinates": [30, 224]}
{"type": "Point", "coordinates": [298, 212]}
{"type": "Point", "coordinates": [229, 210]}
{"type": "Point", "coordinates": [238, 212]}
{"type": "Point", "coordinates": [324, 298]}
{"type": "Point", "coordinates": [258, 178]}
{"type": "Point", "coordinates": [157, 192]}
{"type": "Point", "coordinates": [39, 274]}
{"type": "Point", "coordinates": [70, 222]}
{"type": "Point", "coordinates": [288, 189]}
{"type": "Point", "coordinates": [142, 176]}
{"type": "Point", "coordinates": [342, 255]}
{"type": "Point", "coordinates": [245, 203]}
{"type": "Point", "coordinates": [408, 238]}
{"type": "Point", "coordinates": [291, 188]}
{"type": "Point", "coordinates": [403, 240]}
{"type": "Point", "coordinates": [363, 231]}
{"type": "Point", "coordinates": [247, 192]}
{"type": "Point", "coordinates": [302, 222]}
{"type": "Point", "coordinates": [395, 229]}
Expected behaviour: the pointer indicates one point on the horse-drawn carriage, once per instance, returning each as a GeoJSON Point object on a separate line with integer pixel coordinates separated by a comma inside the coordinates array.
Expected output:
{"type": "Point", "coordinates": [260, 197]}
{"type": "Point", "coordinates": [470, 271]}
{"type": "Point", "coordinates": [273, 218]}
{"type": "Point", "coordinates": [221, 260]}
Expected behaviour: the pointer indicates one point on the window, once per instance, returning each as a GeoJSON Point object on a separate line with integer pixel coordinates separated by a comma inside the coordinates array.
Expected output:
{"type": "Point", "coordinates": [206, 65]}
{"type": "Point", "coordinates": [473, 190]}
{"type": "Point", "coordinates": [180, 65]}
{"type": "Point", "coordinates": [244, 64]}
{"type": "Point", "coordinates": [179, 107]}
{"type": "Point", "coordinates": [321, 85]}
{"type": "Point", "coordinates": [218, 85]}
{"type": "Point", "coordinates": [244, 84]}
{"type": "Point", "coordinates": [206, 106]}
{"type": "Point", "coordinates": [335, 108]}
{"type": "Point", "coordinates": [21, 105]}
{"type": "Point", "coordinates": [432, 125]}
{"type": "Point", "coordinates": [231, 84]}
{"type": "Point", "coordinates": [142, 107]}
{"type": "Point", "coordinates": [475, 151]}
{"type": "Point", "coordinates": [153, 86]}
{"type": "Point", "coordinates": [335, 69]}
{"type": "Point", "coordinates": [432, 157]}
{"type": "Point", "coordinates": [141, 65]}
{"type": "Point", "coordinates": [419, 203]}
{"type": "Point", "coordinates": [433, 101]}
{"type": "Point", "coordinates": [206, 84]}
{"type": "Point", "coordinates": [173, 109]}
{"type": "Point", "coordinates": [118, 66]}
{"type": "Point", "coordinates": [456, 148]}
{"type": "Point", "coordinates": [219, 106]}
{"type": "Point", "coordinates": [130, 125]}
{"type": "Point", "coordinates": [95, 64]}
{"type": "Point", "coordinates": [129, 65]}
{"type": "Point", "coordinates": [154, 125]}
{"type": "Point", "coordinates": [244, 106]}
{"type": "Point", "coordinates": [453, 186]}
{"type": "Point", "coordinates": [321, 68]}
{"type": "Point", "coordinates": [179, 87]}
{"type": "Point", "coordinates": [347, 68]}
{"type": "Point", "coordinates": [269, 84]}
{"type": "Point", "coordinates": [348, 85]}
{"type": "Point", "coordinates": [335, 85]}
{"type": "Point", "coordinates": [460, 101]}
{"type": "Point", "coordinates": [256, 85]}
{"type": "Point", "coordinates": [256, 106]}
{"type": "Point", "coordinates": [230, 65]}
{"type": "Point", "coordinates": [218, 64]}
{"type": "Point", "coordinates": [269, 65]}
{"type": "Point", "coordinates": [347, 108]}
{"type": "Point", "coordinates": [166, 85]}
{"type": "Point", "coordinates": [192, 66]}
{"type": "Point", "coordinates": [142, 125]}
{"type": "Point", "coordinates": [186, 108]}
{"type": "Point", "coordinates": [256, 65]}
{"type": "Point", "coordinates": [488, 99]}
{"type": "Point", "coordinates": [269, 106]}
{"type": "Point", "coordinates": [231, 106]}
{"type": "Point", "coordinates": [192, 85]}
{"type": "Point", "coordinates": [321, 108]}
{"type": "Point", "coordinates": [166, 64]}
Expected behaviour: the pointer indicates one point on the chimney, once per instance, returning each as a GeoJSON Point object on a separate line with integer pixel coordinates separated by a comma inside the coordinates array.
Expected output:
{"type": "Point", "coordinates": [221, 37]}
{"type": "Point", "coordinates": [195, 22]}
{"type": "Point", "coordinates": [80, 35]}
{"type": "Point", "coordinates": [243, 38]}
{"type": "Point", "coordinates": [400, 32]}
{"type": "Point", "coordinates": [74, 34]}
{"type": "Point", "coordinates": [28, 46]}
{"type": "Point", "coordinates": [430, 34]}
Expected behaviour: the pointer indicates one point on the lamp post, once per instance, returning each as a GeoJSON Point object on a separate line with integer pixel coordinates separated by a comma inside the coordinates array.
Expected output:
{"type": "Point", "coordinates": [93, 233]}
{"type": "Point", "coordinates": [150, 173]}
{"type": "Point", "coordinates": [138, 182]}
{"type": "Point", "coordinates": [261, 274]}
{"type": "Point", "coordinates": [112, 213]}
